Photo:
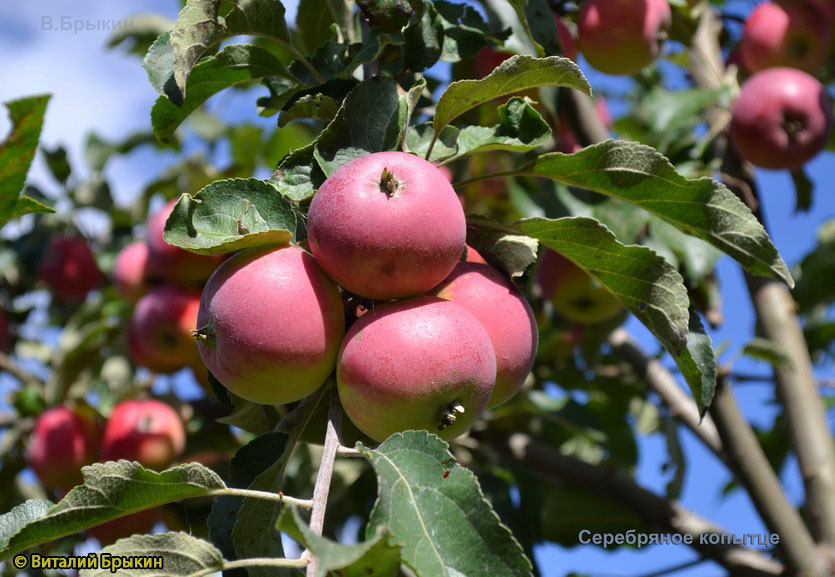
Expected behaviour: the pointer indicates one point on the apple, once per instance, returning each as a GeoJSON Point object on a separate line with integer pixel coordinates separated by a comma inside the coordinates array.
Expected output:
{"type": "Point", "coordinates": [575, 294]}
{"type": "Point", "coordinates": [62, 442]}
{"type": "Point", "coordinates": [794, 34]}
{"type": "Point", "coordinates": [419, 363]}
{"type": "Point", "coordinates": [160, 335]}
{"type": "Point", "coordinates": [147, 431]}
{"type": "Point", "coordinates": [387, 225]}
{"type": "Point", "coordinates": [138, 523]}
{"type": "Point", "coordinates": [271, 322]}
{"type": "Point", "coordinates": [69, 269]}
{"type": "Point", "coordinates": [506, 316]}
{"type": "Point", "coordinates": [474, 256]}
{"type": "Point", "coordinates": [622, 36]}
{"type": "Point", "coordinates": [130, 271]}
{"type": "Point", "coordinates": [172, 263]}
{"type": "Point", "coordinates": [568, 142]}
{"type": "Point", "coordinates": [781, 119]}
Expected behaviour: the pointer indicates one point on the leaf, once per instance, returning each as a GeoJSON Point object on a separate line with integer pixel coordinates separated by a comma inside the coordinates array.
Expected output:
{"type": "Point", "coordinates": [259, 17]}
{"type": "Point", "coordinates": [368, 121]}
{"type": "Point", "coordinates": [465, 31]}
{"type": "Point", "coordinates": [249, 461]}
{"type": "Point", "coordinates": [520, 128]}
{"type": "Point", "coordinates": [420, 136]}
{"type": "Point", "coordinates": [512, 253]}
{"type": "Point", "coordinates": [112, 490]}
{"type": "Point", "coordinates": [138, 37]}
{"type": "Point", "coordinates": [315, 106]}
{"type": "Point", "coordinates": [515, 74]}
{"type": "Point", "coordinates": [701, 207]}
{"type": "Point", "coordinates": [804, 189]}
{"type": "Point", "coordinates": [298, 175]}
{"type": "Point", "coordinates": [56, 160]}
{"type": "Point", "coordinates": [233, 65]}
{"type": "Point", "coordinates": [182, 556]}
{"type": "Point", "coordinates": [389, 15]}
{"type": "Point", "coordinates": [435, 510]}
{"type": "Point", "coordinates": [647, 284]}
{"type": "Point", "coordinates": [16, 154]}
{"type": "Point", "coordinates": [313, 21]}
{"type": "Point", "coordinates": [699, 258]}
{"type": "Point", "coordinates": [818, 264]}
{"type": "Point", "coordinates": [230, 215]}
{"type": "Point", "coordinates": [424, 39]}
{"type": "Point", "coordinates": [28, 205]}
{"type": "Point", "coordinates": [768, 351]}
{"type": "Point", "coordinates": [376, 557]}
{"type": "Point", "coordinates": [537, 19]}
{"type": "Point", "coordinates": [20, 516]}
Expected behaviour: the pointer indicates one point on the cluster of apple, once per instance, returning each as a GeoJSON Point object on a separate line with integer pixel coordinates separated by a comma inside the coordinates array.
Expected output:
{"type": "Point", "coordinates": [438, 339]}
{"type": "Point", "coordinates": [164, 282]}
{"type": "Point", "coordinates": [63, 441]}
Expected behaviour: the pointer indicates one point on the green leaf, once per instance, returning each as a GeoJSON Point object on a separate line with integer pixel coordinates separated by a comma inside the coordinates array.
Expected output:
{"type": "Point", "coordinates": [368, 121]}
{"type": "Point", "coordinates": [376, 557]}
{"type": "Point", "coordinates": [435, 510]}
{"type": "Point", "coordinates": [698, 257]}
{"type": "Point", "coordinates": [249, 461]}
{"type": "Point", "coordinates": [230, 215]}
{"type": "Point", "coordinates": [465, 31]}
{"type": "Point", "coordinates": [420, 136]}
{"type": "Point", "coordinates": [520, 128]}
{"type": "Point", "coordinates": [313, 21]}
{"type": "Point", "coordinates": [233, 65]}
{"type": "Point", "coordinates": [56, 160]}
{"type": "Point", "coordinates": [182, 556]}
{"type": "Point", "coordinates": [28, 205]}
{"type": "Point", "coordinates": [538, 22]}
{"type": "Point", "coordinates": [138, 37]}
{"type": "Point", "coordinates": [113, 490]}
{"type": "Point", "coordinates": [259, 17]}
{"type": "Point", "coordinates": [12, 522]}
{"type": "Point", "coordinates": [804, 189]}
{"type": "Point", "coordinates": [97, 150]}
{"type": "Point", "coordinates": [819, 264]}
{"type": "Point", "coordinates": [298, 175]}
{"type": "Point", "coordinates": [315, 106]}
{"type": "Point", "coordinates": [424, 39]}
{"type": "Point", "coordinates": [515, 74]}
{"type": "Point", "coordinates": [16, 154]}
{"type": "Point", "coordinates": [768, 351]}
{"type": "Point", "coordinates": [701, 207]}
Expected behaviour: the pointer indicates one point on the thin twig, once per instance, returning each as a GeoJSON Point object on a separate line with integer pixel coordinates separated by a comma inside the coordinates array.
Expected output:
{"type": "Point", "coordinates": [657, 512]}
{"type": "Point", "coordinates": [665, 386]}
{"type": "Point", "coordinates": [248, 493]}
{"type": "Point", "coordinates": [10, 366]}
{"type": "Point", "coordinates": [323, 478]}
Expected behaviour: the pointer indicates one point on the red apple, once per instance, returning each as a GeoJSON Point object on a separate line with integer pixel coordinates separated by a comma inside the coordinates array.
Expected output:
{"type": "Point", "coordinates": [136, 524]}
{"type": "Point", "coordinates": [69, 269]}
{"type": "Point", "coordinates": [567, 41]}
{"type": "Point", "coordinates": [506, 316]}
{"type": "Point", "coordinates": [795, 34]}
{"type": "Point", "coordinates": [575, 294]}
{"type": "Point", "coordinates": [147, 431]}
{"type": "Point", "coordinates": [622, 36]}
{"type": "Point", "coordinates": [160, 336]}
{"type": "Point", "coordinates": [474, 256]}
{"type": "Point", "coordinates": [130, 271]}
{"type": "Point", "coordinates": [63, 441]}
{"type": "Point", "coordinates": [419, 363]}
{"type": "Point", "coordinates": [387, 225]}
{"type": "Point", "coordinates": [172, 263]}
{"type": "Point", "coordinates": [781, 119]}
{"type": "Point", "coordinates": [271, 322]}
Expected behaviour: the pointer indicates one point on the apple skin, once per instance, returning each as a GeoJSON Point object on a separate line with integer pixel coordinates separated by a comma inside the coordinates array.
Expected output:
{"type": "Point", "coordinates": [139, 523]}
{"type": "Point", "coordinates": [506, 316]}
{"type": "Point", "coordinates": [568, 143]}
{"type": "Point", "coordinates": [794, 34]}
{"type": "Point", "coordinates": [147, 431]}
{"type": "Point", "coordinates": [69, 269]}
{"type": "Point", "coordinates": [474, 256]}
{"type": "Point", "coordinates": [130, 271]}
{"type": "Point", "coordinates": [622, 36]}
{"type": "Point", "coordinates": [171, 263]}
{"type": "Point", "coordinates": [781, 119]}
{"type": "Point", "coordinates": [403, 363]}
{"type": "Point", "coordinates": [160, 336]}
{"type": "Point", "coordinates": [274, 322]}
{"type": "Point", "coordinates": [382, 245]}
{"type": "Point", "coordinates": [573, 292]}
{"type": "Point", "coordinates": [62, 442]}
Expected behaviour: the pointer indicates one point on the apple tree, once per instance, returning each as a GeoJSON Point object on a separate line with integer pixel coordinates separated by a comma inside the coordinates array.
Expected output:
{"type": "Point", "coordinates": [401, 298]}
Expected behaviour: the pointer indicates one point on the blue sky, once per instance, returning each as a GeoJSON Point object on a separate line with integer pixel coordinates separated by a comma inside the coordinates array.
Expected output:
{"type": "Point", "coordinates": [108, 92]}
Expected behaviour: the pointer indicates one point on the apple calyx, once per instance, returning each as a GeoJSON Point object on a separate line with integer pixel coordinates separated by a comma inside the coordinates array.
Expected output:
{"type": "Point", "coordinates": [449, 414]}
{"type": "Point", "coordinates": [388, 183]}
{"type": "Point", "coordinates": [205, 335]}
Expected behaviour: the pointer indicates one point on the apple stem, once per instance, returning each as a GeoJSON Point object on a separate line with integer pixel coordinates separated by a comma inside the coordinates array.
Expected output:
{"type": "Point", "coordinates": [204, 334]}
{"type": "Point", "coordinates": [388, 183]}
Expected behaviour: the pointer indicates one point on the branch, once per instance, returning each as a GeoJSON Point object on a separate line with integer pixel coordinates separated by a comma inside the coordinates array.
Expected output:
{"type": "Point", "coordinates": [658, 513]}
{"type": "Point", "coordinates": [323, 478]}
{"type": "Point", "coordinates": [796, 385]}
{"type": "Point", "coordinates": [659, 379]}
{"type": "Point", "coordinates": [251, 494]}
{"type": "Point", "coordinates": [10, 366]}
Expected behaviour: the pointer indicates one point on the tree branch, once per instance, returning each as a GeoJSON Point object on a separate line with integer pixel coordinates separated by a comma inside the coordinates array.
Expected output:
{"type": "Point", "coordinates": [658, 513]}
{"type": "Point", "coordinates": [323, 477]}
{"type": "Point", "coordinates": [660, 380]}
{"type": "Point", "coordinates": [10, 366]}
{"type": "Point", "coordinates": [796, 385]}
